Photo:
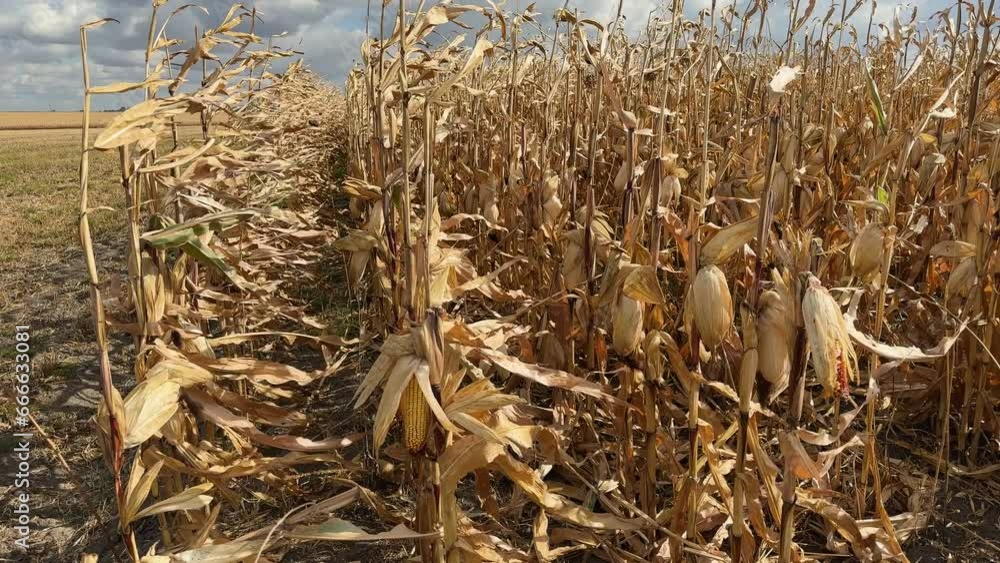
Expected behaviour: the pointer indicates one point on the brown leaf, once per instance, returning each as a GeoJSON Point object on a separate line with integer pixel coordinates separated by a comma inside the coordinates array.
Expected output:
{"type": "Point", "coordinates": [188, 499]}
{"type": "Point", "coordinates": [231, 552]}
{"type": "Point", "coordinates": [299, 444]}
{"type": "Point", "coordinates": [797, 459]}
{"type": "Point", "coordinates": [529, 482]}
{"type": "Point", "coordinates": [336, 529]}
{"type": "Point", "coordinates": [728, 241]}
{"type": "Point", "coordinates": [148, 407]}
{"type": "Point", "coordinates": [464, 456]}
{"type": "Point", "coordinates": [891, 352]}
{"type": "Point", "coordinates": [547, 376]}
{"type": "Point", "coordinates": [641, 284]}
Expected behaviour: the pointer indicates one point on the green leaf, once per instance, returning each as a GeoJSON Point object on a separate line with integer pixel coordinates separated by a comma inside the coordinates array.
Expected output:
{"type": "Point", "coordinates": [882, 195]}
{"type": "Point", "coordinates": [180, 235]}
{"type": "Point", "coordinates": [875, 99]}
{"type": "Point", "coordinates": [205, 255]}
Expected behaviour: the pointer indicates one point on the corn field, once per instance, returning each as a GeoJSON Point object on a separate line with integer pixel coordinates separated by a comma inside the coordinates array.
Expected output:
{"type": "Point", "coordinates": [695, 293]}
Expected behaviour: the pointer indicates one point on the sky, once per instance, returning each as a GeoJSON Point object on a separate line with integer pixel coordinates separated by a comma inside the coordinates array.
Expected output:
{"type": "Point", "coordinates": [40, 38]}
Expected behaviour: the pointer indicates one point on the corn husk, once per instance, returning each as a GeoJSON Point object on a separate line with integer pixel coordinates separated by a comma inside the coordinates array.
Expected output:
{"type": "Point", "coordinates": [626, 325]}
{"type": "Point", "coordinates": [653, 346]}
{"type": "Point", "coordinates": [779, 187]}
{"type": "Point", "coordinates": [552, 208]}
{"type": "Point", "coordinates": [962, 280]}
{"type": "Point", "coordinates": [866, 251]}
{"type": "Point", "coordinates": [573, 271]}
{"type": "Point", "coordinates": [551, 204]}
{"type": "Point", "coordinates": [974, 221]}
{"type": "Point", "coordinates": [621, 178]}
{"type": "Point", "coordinates": [833, 354]}
{"type": "Point", "coordinates": [713, 305]}
{"type": "Point", "coordinates": [488, 201]}
{"type": "Point", "coordinates": [774, 340]}
{"type": "Point", "coordinates": [789, 151]}
{"type": "Point", "coordinates": [153, 291]}
{"type": "Point", "coordinates": [670, 191]}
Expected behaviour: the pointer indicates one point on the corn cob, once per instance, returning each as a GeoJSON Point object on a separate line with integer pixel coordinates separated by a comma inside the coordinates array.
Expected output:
{"type": "Point", "coordinates": [713, 305]}
{"type": "Point", "coordinates": [415, 414]}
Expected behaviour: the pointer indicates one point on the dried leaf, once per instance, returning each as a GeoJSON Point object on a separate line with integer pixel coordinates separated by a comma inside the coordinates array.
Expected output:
{"type": "Point", "coordinates": [336, 529]}
{"type": "Point", "coordinates": [148, 407]}
{"type": "Point", "coordinates": [188, 499]}
{"type": "Point", "coordinates": [547, 376]}
{"type": "Point", "coordinates": [782, 78]}
{"type": "Point", "coordinates": [728, 241]}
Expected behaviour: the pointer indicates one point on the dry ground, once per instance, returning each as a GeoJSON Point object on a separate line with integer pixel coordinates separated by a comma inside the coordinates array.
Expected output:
{"type": "Point", "coordinates": [35, 120]}
{"type": "Point", "coordinates": [42, 285]}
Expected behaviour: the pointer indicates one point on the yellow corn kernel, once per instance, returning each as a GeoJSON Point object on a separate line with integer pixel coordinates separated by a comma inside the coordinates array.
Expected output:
{"type": "Point", "coordinates": [416, 415]}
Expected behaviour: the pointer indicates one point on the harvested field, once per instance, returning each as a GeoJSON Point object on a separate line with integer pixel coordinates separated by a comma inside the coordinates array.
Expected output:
{"type": "Point", "coordinates": [32, 120]}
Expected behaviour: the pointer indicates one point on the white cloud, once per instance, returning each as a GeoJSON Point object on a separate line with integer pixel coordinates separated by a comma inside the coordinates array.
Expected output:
{"type": "Point", "coordinates": [40, 38]}
{"type": "Point", "coordinates": [57, 23]}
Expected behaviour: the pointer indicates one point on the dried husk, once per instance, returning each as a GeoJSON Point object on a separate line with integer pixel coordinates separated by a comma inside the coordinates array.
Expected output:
{"type": "Point", "coordinates": [626, 325]}
{"type": "Point", "coordinates": [654, 348]}
{"type": "Point", "coordinates": [779, 187]}
{"type": "Point", "coordinates": [488, 202]}
{"type": "Point", "coordinates": [867, 251]}
{"type": "Point", "coordinates": [551, 204]}
{"type": "Point", "coordinates": [670, 191]}
{"type": "Point", "coordinates": [833, 355]}
{"type": "Point", "coordinates": [774, 341]}
{"type": "Point", "coordinates": [962, 280]}
{"type": "Point", "coordinates": [573, 266]}
{"type": "Point", "coordinates": [974, 221]}
{"type": "Point", "coordinates": [621, 178]}
{"type": "Point", "coordinates": [713, 305]}
{"type": "Point", "coordinates": [552, 208]}
{"type": "Point", "coordinates": [153, 291]}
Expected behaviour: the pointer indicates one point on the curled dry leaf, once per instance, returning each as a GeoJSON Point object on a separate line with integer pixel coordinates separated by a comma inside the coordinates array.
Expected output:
{"type": "Point", "coordinates": [782, 78]}
{"type": "Point", "coordinates": [547, 376]}
{"type": "Point", "coordinates": [725, 243]}
{"type": "Point", "coordinates": [336, 529]}
{"type": "Point", "coordinates": [231, 552]}
{"type": "Point", "coordinates": [192, 498]}
{"type": "Point", "coordinates": [897, 353]}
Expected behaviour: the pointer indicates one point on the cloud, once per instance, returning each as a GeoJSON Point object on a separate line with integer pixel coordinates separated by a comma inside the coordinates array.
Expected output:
{"type": "Point", "coordinates": [47, 23]}
{"type": "Point", "coordinates": [40, 38]}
